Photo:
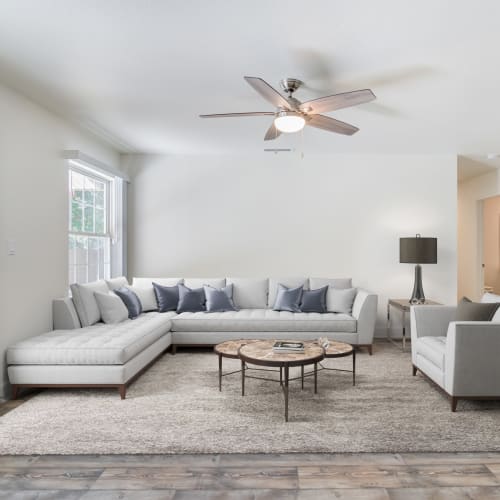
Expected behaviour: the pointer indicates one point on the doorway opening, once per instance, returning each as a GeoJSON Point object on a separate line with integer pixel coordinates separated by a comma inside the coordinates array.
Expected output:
{"type": "Point", "coordinates": [490, 242]}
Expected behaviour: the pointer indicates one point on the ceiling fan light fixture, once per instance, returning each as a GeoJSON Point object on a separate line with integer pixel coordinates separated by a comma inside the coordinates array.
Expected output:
{"type": "Point", "coordinates": [289, 122]}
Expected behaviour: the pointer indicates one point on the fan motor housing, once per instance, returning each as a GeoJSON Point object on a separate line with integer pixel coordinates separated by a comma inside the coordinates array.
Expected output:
{"type": "Point", "coordinates": [290, 85]}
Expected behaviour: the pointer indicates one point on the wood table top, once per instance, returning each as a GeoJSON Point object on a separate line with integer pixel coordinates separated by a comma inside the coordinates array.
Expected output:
{"type": "Point", "coordinates": [262, 353]}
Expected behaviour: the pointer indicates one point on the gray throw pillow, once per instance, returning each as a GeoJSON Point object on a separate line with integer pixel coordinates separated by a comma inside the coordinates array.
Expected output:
{"type": "Point", "coordinates": [167, 297]}
{"type": "Point", "coordinates": [475, 311]}
{"type": "Point", "coordinates": [340, 301]}
{"type": "Point", "coordinates": [314, 300]}
{"type": "Point", "coordinates": [190, 300]}
{"type": "Point", "coordinates": [288, 299]}
{"type": "Point", "coordinates": [131, 301]}
{"type": "Point", "coordinates": [219, 300]}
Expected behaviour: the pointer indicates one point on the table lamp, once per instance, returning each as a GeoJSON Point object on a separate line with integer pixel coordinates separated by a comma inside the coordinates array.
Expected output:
{"type": "Point", "coordinates": [418, 251]}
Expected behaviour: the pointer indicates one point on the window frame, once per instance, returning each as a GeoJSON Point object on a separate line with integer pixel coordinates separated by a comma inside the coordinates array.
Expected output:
{"type": "Point", "coordinates": [109, 209]}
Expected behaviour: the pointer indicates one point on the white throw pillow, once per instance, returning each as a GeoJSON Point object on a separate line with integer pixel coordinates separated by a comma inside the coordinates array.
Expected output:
{"type": "Point", "coordinates": [340, 300]}
{"type": "Point", "coordinates": [249, 293]}
{"type": "Point", "coordinates": [112, 308]}
{"type": "Point", "coordinates": [146, 296]}
{"type": "Point", "coordinates": [115, 283]}
{"type": "Point", "coordinates": [85, 302]}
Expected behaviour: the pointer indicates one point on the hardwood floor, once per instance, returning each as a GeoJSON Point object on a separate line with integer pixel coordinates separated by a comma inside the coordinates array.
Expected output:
{"type": "Point", "coordinates": [293, 476]}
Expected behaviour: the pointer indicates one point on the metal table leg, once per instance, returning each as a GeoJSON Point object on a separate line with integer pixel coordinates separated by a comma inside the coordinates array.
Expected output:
{"type": "Point", "coordinates": [354, 367]}
{"type": "Point", "coordinates": [286, 393]}
{"type": "Point", "coordinates": [242, 378]}
{"type": "Point", "coordinates": [302, 375]}
{"type": "Point", "coordinates": [315, 378]}
{"type": "Point", "coordinates": [220, 372]}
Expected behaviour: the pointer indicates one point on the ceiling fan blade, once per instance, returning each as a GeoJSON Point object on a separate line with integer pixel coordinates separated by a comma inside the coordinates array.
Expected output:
{"type": "Point", "coordinates": [272, 133]}
{"type": "Point", "coordinates": [267, 92]}
{"type": "Point", "coordinates": [338, 101]}
{"type": "Point", "coordinates": [236, 115]}
{"type": "Point", "coordinates": [331, 125]}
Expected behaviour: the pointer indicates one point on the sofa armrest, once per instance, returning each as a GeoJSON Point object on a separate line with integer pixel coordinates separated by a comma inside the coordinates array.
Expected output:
{"type": "Point", "coordinates": [64, 315]}
{"type": "Point", "coordinates": [364, 310]}
{"type": "Point", "coordinates": [471, 362]}
{"type": "Point", "coordinates": [430, 321]}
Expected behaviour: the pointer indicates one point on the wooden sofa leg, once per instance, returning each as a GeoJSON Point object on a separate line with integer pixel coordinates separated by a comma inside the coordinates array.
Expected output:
{"type": "Point", "coordinates": [370, 349]}
{"type": "Point", "coordinates": [414, 370]}
{"type": "Point", "coordinates": [122, 390]}
{"type": "Point", "coordinates": [15, 392]}
{"type": "Point", "coordinates": [174, 349]}
{"type": "Point", "coordinates": [454, 401]}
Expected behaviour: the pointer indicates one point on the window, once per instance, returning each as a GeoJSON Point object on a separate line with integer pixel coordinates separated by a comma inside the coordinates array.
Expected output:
{"type": "Point", "coordinates": [90, 225]}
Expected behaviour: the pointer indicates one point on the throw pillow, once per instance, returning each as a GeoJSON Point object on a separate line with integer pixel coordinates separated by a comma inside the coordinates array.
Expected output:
{"type": "Point", "coordinates": [112, 308]}
{"type": "Point", "coordinates": [85, 302]}
{"type": "Point", "coordinates": [131, 301]}
{"type": "Point", "coordinates": [475, 311]}
{"type": "Point", "coordinates": [190, 300]}
{"type": "Point", "coordinates": [167, 297]}
{"type": "Point", "coordinates": [288, 299]}
{"type": "Point", "coordinates": [314, 300]}
{"type": "Point", "coordinates": [340, 301]}
{"type": "Point", "coordinates": [219, 300]}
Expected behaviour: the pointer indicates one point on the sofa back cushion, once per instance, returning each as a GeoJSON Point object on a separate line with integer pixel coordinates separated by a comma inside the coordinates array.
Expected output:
{"type": "Point", "coordinates": [315, 283]}
{"type": "Point", "coordinates": [115, 283]}
{"type": "Point", "coordinates": [288, 282]}
{"type": "Point", "coordinates": [85, 301]}
{"type": "Point", "coordinates": [146, 296]}
{"type": "Point", "coordinates": [148, 282]}
{"type": "Point", "coordinates": [249, 293]}
{"type": "Point", "coordinates": [201, 282]}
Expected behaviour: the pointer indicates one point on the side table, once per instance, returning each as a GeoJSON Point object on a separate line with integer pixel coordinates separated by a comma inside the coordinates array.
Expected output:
{"type": "Point", "coordinates": [403, 305]}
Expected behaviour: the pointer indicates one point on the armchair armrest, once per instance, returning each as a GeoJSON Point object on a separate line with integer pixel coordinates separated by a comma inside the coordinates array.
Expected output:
{"type": "Point", "coordinates": [364, 310]}
{"type": "Point", "coordinates": [64, 315]}
{"type": "Point", "coordinates": [472, 366]}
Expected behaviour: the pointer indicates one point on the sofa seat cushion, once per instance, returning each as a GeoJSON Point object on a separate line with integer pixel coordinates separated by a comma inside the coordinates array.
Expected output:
{"type": "Point", "coordinates": [100, 344]}
{"type": "Point", "coordinates": [433, 349]}
{"type": "Point", "coordinates": [266, 320]}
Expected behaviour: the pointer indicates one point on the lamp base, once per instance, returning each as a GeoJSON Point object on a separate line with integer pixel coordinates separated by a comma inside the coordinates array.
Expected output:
{"type": "Point", "coordinates": [418, 297]}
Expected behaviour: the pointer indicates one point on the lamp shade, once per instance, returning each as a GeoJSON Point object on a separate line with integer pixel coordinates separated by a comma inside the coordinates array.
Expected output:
{"type": "Point", "coordinates": [418, 250]}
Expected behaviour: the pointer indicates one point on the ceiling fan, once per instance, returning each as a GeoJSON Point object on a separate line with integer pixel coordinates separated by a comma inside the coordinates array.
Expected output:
{"type": "Point", "coordinates": [292, 115]}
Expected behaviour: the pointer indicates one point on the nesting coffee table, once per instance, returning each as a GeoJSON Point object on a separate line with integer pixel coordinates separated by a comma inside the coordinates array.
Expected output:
{"type": "Point", "coordinates": [260, 353]}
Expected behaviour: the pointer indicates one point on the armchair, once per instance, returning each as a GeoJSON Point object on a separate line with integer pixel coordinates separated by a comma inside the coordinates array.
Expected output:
{"type": "Point", "coordinates": [461, 357]}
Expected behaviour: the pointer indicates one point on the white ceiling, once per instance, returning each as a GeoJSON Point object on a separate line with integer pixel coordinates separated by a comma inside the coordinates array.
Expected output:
{"type": "Point", "coordinates": [139, 72]}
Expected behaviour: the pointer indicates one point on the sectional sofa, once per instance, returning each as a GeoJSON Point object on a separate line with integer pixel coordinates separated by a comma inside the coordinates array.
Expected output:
{"type": "Point", "coordinates": [82, 351]}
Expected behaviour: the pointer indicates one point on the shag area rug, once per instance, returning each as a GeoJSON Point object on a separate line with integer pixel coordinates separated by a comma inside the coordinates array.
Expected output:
{"type": "Point", "coordinates": [176, 407]}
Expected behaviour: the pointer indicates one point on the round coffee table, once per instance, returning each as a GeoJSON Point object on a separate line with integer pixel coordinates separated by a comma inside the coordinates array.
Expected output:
{"type": "Point", "coordinates": [340, 350]}
{"type": "Point", "coordinates": [229, 349]}
{"type": "Point", "coordinates": [261, 353]}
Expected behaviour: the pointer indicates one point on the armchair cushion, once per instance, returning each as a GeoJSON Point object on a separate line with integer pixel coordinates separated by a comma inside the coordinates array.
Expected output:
{"type": "Point", "coordinates": [433, 349]}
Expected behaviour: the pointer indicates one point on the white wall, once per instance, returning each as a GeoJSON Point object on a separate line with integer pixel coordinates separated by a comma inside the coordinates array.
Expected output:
{"type": "Point", "coordinates": [278, 215]}
{"type": "Point", "coordinates": [470, 194]}
{"type": "Point", "coordinates": [34, 213]}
